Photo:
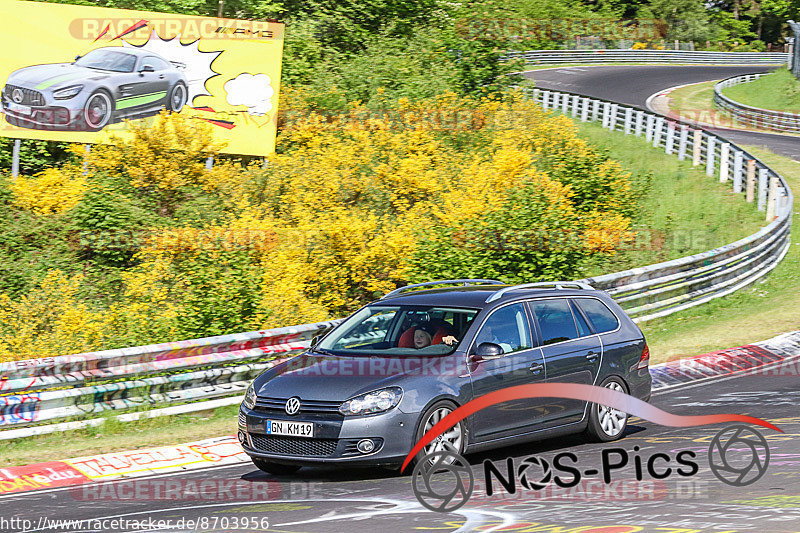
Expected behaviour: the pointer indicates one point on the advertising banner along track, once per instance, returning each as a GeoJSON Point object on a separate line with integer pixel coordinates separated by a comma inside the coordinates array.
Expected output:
{"type": "Point", "coordinates": [76, 73]}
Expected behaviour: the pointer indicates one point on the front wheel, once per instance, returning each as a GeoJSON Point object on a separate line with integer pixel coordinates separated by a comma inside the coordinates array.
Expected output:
{"type": "Point", "coordinates": [97, 111]}
{"type": "Point", "coordinates": [606, 423]}
{"type": "Point", "coordinates": [276, 469]}
{"type": "Point", "coordinates": [452, 439]}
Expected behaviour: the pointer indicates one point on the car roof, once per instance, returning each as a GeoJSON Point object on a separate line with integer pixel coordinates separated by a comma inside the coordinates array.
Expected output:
{"type": "Point", "coordinates": [134, 51]}
{"type": "Point", "coordinates": [475, 296]}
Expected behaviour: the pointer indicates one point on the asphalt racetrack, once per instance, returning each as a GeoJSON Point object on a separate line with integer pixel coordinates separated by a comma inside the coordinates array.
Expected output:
{"type": "Point", "coordinates": [324, 500]}
{"type": "Point", "coordinates": [632, 85]}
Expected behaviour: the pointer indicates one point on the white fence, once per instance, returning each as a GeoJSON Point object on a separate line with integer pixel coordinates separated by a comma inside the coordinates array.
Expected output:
{"type": "Point", "coordinates": [766, 119]}
{"type": "Point", "coordinates": [566, 57]}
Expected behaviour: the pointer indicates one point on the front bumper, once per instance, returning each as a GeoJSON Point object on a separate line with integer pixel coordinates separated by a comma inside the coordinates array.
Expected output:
{"type": "Point", "coordinates": [44, 112]}
{"type": "Point", "coordinates": [335, 438]}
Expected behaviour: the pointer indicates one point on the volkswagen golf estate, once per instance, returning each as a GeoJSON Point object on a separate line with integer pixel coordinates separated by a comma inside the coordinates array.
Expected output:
{"type": "Point", "coordinates": [367, 391]}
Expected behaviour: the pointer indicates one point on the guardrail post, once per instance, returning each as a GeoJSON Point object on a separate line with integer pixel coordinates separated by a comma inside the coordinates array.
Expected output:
{"type": "Point", "coordinates": [628, 120]}
{"type": "Point", "coordinates": [606, 112]}
{"type": "Point", "coordinates": [565, 103]}
{"type": "Point", "coordinates": [648, 136]}
{"type": "Point", "coordinates": [682, 143]}
{"type": "Point", "coordinates": [697, 147]}
{"type": "Point", "coordinates": [710, 154]}
{"type": "Point", "coordinates": [670, 142]}
{"type": "Point", "coordinates": [546, 99]}
{"type": "Point", "coordinates": [751, 179]}
{"type": "Point", "coordinates": [659, 129]}
{"type": "Point", "coordinates": [737, 171]}
{"type": "Point", "coordinates": [575, 101]}
{"type": "Point", "coordinates": [585, 110]}
{"type": "Point", "coordinates": [724, 155]}
{"type": "Point", "coordinates": [762, 188]}
{"type": "Point", "coordinates": [612, 117]}
{"type": "Point", "coordinates": [772, 198]}
{"type": "Point", "coordinates": [595, 110]}
{"type": "Point", "coordinates": [639, 121]}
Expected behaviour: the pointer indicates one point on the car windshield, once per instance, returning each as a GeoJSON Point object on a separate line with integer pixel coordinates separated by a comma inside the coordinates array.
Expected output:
{"type": "Point", "coordinates": [108, 60]}
{"type": "Point", "coordinates": [399, 330]}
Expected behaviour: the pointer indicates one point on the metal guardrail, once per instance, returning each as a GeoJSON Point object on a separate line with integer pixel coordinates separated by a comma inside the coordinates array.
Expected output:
{"type": "Point", "coordinates": [565, 57]}
{"type": "Point", "coordinates": [766, 119]}
{"type": "Point", "coordinates": [57, 388]}
{"type": "Point", "coordinates": [658, 290]}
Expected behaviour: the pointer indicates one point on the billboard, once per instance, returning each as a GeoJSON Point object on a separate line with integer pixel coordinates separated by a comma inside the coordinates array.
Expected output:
{"type": "Point", "coordinates": [76, 73]}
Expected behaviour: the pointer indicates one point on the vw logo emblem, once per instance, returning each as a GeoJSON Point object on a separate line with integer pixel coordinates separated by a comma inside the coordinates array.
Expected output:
{"type": "Point", "coordinates": [17, 96]}
{"type": "Point", "coordinates": [292, 406]}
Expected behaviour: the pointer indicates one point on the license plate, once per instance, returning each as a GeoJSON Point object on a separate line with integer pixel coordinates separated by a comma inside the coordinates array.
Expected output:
{"type": "Point", "coordinates": [290, 429]}
{"type": "Point", "coordinates": [21, 109]}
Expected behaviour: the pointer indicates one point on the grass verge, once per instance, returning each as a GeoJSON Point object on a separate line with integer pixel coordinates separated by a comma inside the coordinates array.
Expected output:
{"type": "Point", "coordinates": [768, 308]}
{"type": "Point", "coordinates": [779, 91]}
{"type": "Point", "coordinates": [114, 436]}
{"type": "Point", "coordinates": [684, 212]}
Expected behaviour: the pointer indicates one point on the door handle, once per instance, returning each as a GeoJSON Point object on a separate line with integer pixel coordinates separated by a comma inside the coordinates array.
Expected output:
{"type": "Point", "coordinates": [161, 76]}
{"type": "Point", "coordinates": [591, 356]}
{"type": "Point", "coordinates": [535, 368]}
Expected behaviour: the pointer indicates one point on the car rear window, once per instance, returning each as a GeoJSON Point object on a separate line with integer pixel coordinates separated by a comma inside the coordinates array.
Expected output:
{"type": "Point", "coordinates": [601, 317]}
{"type": "Point", "coordinates": [555, 320]}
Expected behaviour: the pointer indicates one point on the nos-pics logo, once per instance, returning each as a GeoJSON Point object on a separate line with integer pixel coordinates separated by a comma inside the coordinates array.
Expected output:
{"type": "Point", "coordinates": [443, 481]}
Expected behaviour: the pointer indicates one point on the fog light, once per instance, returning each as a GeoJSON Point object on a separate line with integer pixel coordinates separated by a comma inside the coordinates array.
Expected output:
{"type": "Point", "coordinates": [365, 445]}
{"type": "Point", "coordinates": [241, 438]}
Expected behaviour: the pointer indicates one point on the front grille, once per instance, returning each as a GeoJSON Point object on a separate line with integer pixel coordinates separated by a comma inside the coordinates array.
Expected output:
{"type": "Point", "coordinates": [29, 96]}
{"type": "Point", "coordinates": [242, 419]}
{"type": "Point", "coordinates": [294, 445]}
{"type": "Point", "coordinates": [265, 403]}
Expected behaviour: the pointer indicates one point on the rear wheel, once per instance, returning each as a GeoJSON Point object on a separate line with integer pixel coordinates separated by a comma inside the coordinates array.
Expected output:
{"type": "Point", "coordinates": [177, 97]}
{"type": "Point", "coordinates": [606, 423]}
{"type": "Point", "coordinates": [97, 111]}
{"type": "Point", "coordinates": [274, 468]}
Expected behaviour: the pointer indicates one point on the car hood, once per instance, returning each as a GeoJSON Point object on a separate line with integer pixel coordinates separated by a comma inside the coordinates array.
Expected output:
{"type": "Point", "coordinates": [336, 378]}
{"type": "Point", "coordinates": [41, 77]}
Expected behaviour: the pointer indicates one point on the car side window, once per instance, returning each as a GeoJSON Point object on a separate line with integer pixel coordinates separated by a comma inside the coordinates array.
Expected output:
{"type": "Point", "coordinates": [583, 327]}
{"type": "Point", "coordinates": [508, 327]}
{"type": "Point", "coordinates": [154, 62]}
{"type": "Point", "coordinates": [601, 317]}
{"type": "Point", "coordinates": [555, 320]}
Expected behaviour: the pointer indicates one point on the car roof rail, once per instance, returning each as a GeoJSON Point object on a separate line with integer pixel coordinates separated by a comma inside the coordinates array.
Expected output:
{"type": "Point", "coordinates": [463, 282]}
{"type": "Point", "coordinates": [558, 285]}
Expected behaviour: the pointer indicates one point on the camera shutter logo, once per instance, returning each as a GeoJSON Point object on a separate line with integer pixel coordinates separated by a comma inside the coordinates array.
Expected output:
{"type": "Point", "coordinates": [442, 481]}
{"type": "Point", "coordinates": [292, 406]}
{"type": "Point", "coordinates": [526, 473]}
{"type": "Point", "coordinates": [17, 95]}
{"type": "Point", "coordinates": [738, 455]}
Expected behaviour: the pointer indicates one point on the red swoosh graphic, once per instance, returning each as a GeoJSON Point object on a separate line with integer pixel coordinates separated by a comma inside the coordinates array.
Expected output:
{"type": "Point", "coordinates": [575, 391]}
{"type": "Point", "coordinates": [141, 24]}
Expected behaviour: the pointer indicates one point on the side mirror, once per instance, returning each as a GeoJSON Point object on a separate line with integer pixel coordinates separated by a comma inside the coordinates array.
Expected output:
{"type": "Point", "coordinates": [314, 341]}
{"type": "Point", "coordinates": [489, 350]}
{"type": "Point", "coordinates": [78, 57]}
{"type": "Point", "coordinates": [147, 68]}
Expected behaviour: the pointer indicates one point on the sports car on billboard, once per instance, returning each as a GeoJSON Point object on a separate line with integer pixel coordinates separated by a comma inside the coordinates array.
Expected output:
{"type": "Point", "coordinates": [106, 85]}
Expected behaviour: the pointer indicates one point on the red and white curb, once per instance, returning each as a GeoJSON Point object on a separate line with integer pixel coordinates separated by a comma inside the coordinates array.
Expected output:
{"type": "Point", "coordinates": [774, 357]}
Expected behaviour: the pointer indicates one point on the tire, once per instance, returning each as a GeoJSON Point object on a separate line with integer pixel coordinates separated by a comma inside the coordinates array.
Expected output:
{"type": "Point", "coordinates": [457, 435]}
{"type": "Point", "coordinates": [98, 110]}
{"type": "Point", "coordinates": [607, 424]}
{"type": "Point", "coordinates": [177, 97]}
{"type": "Point", "coordinates": [275, 469]}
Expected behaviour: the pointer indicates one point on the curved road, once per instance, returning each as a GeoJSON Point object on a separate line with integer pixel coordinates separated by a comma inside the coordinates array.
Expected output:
{"type": "Point", "coordinates": [321, 500]}
{"type": "Point", "coordinates": [632, 85]}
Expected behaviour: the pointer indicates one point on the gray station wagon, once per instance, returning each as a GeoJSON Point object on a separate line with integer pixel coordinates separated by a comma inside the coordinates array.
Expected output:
{"type": "Point", "coordinates": [367, 391]}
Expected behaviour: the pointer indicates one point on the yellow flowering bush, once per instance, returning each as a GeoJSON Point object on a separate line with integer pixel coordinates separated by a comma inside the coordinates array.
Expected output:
{"type": "Point", "coordinates": [53, 191]}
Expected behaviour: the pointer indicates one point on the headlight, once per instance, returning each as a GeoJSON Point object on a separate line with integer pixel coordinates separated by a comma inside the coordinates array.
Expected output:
{"type": "Point", "coordinates": [372, 402]}
{"type": "Point", "coordinates": [249, 397]}
{"type": "Point", "coordinates": [67, 92]}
